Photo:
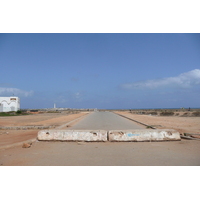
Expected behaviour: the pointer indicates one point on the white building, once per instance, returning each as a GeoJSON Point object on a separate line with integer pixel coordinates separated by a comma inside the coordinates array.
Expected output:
{"type": "Point", "coordinates": [8, 104]}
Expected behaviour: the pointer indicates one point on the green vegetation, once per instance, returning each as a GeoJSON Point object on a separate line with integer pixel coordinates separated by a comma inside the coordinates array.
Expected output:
{"type": "Point", "coordinates": [12, 113]}
{"type": "Point", "coordinates": [4, 114]}
{"type": "Point", "coordinates": [19, 112]}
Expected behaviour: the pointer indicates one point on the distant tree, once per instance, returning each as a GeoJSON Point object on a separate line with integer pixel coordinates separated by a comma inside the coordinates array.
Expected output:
{"type": "Point", "coordinates": [19, 112]}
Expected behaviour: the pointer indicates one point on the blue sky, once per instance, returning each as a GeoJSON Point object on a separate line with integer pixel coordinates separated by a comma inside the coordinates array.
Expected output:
{"type": "Point", "coordinates": [93, 70]}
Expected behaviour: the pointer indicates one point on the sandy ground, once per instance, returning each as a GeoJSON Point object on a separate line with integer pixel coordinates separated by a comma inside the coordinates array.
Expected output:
{"type": "Point", "coordinates": [181, 124]}
{"type": "Point", "coordinates": [9, 137]}
{"type": "Point", "coordinates": [43, 119]}
{"type": "Point", "coordinates": [176, 153]}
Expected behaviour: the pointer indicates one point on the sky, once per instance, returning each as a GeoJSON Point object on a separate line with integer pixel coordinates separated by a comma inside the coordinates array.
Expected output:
{"type": "Point", "coordinates": [110, 71]}
{"type": "Point", "coordinates": [101, 70]}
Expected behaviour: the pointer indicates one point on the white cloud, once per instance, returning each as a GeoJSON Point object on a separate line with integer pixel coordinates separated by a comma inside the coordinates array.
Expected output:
{"type": "Point", "coordinates": [77, 95]}
{"type": "Point", "coordinates": [69, 96]}
{"type": "Point", "coordinates": [15, 91]}
{"type": "Point", "coordinates": [184, 80]}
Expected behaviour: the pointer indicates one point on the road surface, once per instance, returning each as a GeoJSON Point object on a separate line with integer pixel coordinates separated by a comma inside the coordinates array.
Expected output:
{"type": "Point", "coordinates": [176, 153]}
{"type": "Point", "coordinates": [105, 121]}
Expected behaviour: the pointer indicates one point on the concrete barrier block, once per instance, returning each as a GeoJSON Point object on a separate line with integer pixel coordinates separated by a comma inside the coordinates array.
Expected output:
{"type": "Point", "coordinates": [73, 135]}
{"type": "Point", "coordinates": [144, 135]}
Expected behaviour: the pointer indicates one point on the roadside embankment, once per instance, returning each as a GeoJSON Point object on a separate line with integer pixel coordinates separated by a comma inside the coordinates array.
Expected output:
{"type": "Point", "coordinates": [181, 124]}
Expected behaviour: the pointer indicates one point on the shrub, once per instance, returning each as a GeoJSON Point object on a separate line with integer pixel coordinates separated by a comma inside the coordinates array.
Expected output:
{"type": "Point", "coordinates": [19, 112]}
{"type": "Point", "coordinates": [196, 114]}
{"type": "Point", "coordinates": [167, 113]}
{"type": "Point", "coordinates": [186, 114]}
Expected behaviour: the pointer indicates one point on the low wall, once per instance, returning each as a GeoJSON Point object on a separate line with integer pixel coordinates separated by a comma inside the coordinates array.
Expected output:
{"type": "Point", "coordinates": [112, 136]}
{"type": "Point", "coordinates": [73, 135]}
{"type": "Point", "coordinates": [144, 135]}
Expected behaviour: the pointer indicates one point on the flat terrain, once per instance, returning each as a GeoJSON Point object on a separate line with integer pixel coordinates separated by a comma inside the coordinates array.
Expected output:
{"type": "Point", "coordinates": [105, 121]}
{"type": "Point", "coordinates": [9, 137]}
{"type": "Point", "coordinates": [176, 153]}
{"type": "Point", "coordinates": [43, 119]}
{"type": "Point", "coordinates": [181, 124]}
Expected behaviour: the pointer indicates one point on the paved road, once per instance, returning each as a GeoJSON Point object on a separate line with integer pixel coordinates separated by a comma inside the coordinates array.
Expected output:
{"type": "Point", "coordinates": [105, 121]}
{"type": "Point", "coordinates": [176, 153]}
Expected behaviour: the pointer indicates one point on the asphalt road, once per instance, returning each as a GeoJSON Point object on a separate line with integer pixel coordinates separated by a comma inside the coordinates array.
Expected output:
{"type": "Point", "coordinates": [176, 153]}
{"type": "Point", "coordinates": [105, 121]}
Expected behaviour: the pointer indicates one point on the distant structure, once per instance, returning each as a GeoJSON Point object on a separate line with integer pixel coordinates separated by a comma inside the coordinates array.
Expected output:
{"type": "Point", "coordinates": [54, 106]}
{"type": "Point", "coordinates": [8, 104]}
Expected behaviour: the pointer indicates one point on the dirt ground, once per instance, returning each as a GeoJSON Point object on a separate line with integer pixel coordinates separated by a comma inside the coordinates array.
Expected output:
{"type": "Point", "coordinates": [9, 137]}
{"type": "Point", "coordinates": [169, 153]}
{"type": "Point", "coordinates": [175, 153]}
{"type": "Point", "coordinates": [181, 124]}
{"type": "Point", "coordinates": [43, 119]}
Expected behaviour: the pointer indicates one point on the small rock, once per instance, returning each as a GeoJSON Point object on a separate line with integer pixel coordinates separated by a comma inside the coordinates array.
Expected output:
{"type": "Point", "coordinates": [196, 136]}
{"type": "Point", "coordinates": [80, 143]}
{"type": "Point", "coordinates": [4, 133]}
{"type": "Point", "coordinates": [26, 145]}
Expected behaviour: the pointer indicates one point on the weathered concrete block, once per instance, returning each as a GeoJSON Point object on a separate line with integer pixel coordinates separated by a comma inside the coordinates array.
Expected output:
{"type": "Point", "coordinates": [73, 135]}
{"type": "Point", "coordinates": [144, 135]}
